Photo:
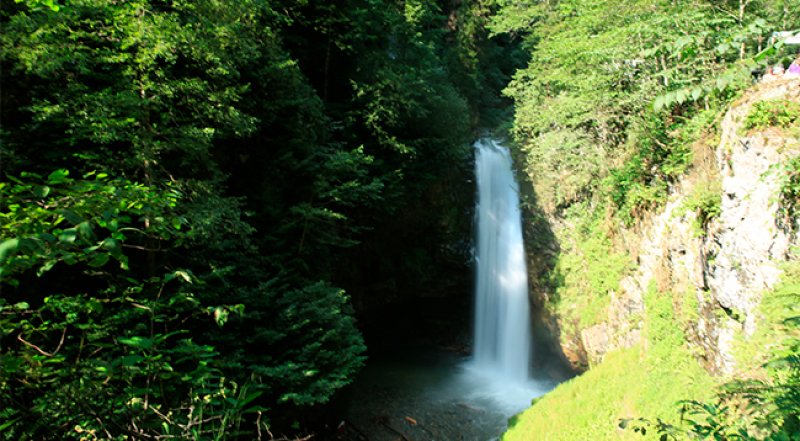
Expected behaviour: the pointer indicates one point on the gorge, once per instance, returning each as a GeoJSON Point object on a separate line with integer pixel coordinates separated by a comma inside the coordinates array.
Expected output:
{"type": "Point", "coordinates": [439, 395]}
{"type": "Point", "coordinates": [266, 219]}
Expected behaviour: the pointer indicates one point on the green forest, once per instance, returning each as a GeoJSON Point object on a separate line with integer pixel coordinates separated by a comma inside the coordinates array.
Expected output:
{"type": "Point", "coordinates": [205, 205]}
{"type": "Point", "coordinates": [200, 197]}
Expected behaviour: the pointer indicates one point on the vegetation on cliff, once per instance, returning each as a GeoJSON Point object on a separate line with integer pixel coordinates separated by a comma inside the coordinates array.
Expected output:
{"type": "Point", "coordinates": [620, 100]}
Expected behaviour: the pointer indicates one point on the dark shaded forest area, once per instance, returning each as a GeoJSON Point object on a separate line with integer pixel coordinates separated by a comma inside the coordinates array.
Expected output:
{"type": "Point", "coordinates": [203, 202]}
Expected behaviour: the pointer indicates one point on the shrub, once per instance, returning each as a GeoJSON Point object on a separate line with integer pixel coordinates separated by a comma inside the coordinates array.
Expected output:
{"type": "Point", "coordinates": [772, 113]}
{"type": "Point", "coordinates": [704, 201]}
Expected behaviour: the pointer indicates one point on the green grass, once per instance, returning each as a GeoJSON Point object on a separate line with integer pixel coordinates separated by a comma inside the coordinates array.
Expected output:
{"type": "Point", "coordinates": [644, 381]}
{"type": "Point", "coordinates": [777, 308]}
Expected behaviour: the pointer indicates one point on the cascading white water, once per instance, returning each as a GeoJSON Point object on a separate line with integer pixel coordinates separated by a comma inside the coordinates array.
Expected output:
{"type": "Point", "coordinates": [502, 312]}
{"type": "Point", "coordinates": [473, 400]}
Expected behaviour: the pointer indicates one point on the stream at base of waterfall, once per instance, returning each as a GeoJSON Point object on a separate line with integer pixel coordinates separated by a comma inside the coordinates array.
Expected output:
{"type": "Point", "coordinates": [433, 396]}
{"type": "Point", "coordinates": [438, 395]}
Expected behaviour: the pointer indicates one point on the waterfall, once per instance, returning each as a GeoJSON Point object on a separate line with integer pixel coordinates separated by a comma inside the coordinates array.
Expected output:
{"type": "Point", "coordinates": [502, 312]}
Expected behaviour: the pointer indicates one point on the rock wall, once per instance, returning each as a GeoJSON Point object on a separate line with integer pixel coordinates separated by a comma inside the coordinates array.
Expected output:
{"type": "Point", "coordinates": [718, 271]}
{"type": "Point", "coordinates": [748, 240]}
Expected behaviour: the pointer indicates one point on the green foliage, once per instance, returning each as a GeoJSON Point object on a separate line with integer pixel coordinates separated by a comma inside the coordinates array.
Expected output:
{"type": "Point", "coordinates": [133, 77]}
{"type": "Point", "coordinates": [36, 4]}
{"type": "Point", "coordinates": [316, 347]}
{"type": "Point", "coordinates": [619, 84]}
{"type": "Point", "coordinates": [232, 167]}
{"type": "Point", "coordinates": [579, 165]}
{"type": "Point", "coordinates": [123, 349]}
{"type": "Point", "coordinates": [662, 153]}
{"type": "Point", "coordinates": [586, 272]}
{"type": "Point", "coordinates": [83, 221]}
{"type": "Point", "coordinates": [660, 322]}
{"type": "Point", "coordinates": [789, 174]}
{"type": "Point", "coordinates": [772, 113]}
{"type": "Point", "coordinates": [632, 190]}
{"type": "Point", "coordinates": [103, 353]}
{"type": "Point", "coordinates": [704, 201]}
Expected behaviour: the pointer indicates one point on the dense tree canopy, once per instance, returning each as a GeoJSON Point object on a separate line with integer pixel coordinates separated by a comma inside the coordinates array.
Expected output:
{"type": "Point", "coordinates": [615, 88]}
{"type": "Point", "coordinates": [188, 188]}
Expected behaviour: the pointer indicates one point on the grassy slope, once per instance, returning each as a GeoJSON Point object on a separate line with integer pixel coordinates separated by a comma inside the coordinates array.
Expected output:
{"type": "Point", "coordinates": [644, 381]}
{"type": "Point", "coordinates": [648, 380]}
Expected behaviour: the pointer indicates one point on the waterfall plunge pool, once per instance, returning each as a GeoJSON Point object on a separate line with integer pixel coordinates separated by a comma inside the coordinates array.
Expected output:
{"type": "Point", "coordinates": [436, 395]}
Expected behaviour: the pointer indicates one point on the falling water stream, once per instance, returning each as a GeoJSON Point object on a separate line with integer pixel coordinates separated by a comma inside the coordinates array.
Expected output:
{"type": "Point", "coordinates": [502, 314]}
{"type": "Point", "coordinates": [442, 396]}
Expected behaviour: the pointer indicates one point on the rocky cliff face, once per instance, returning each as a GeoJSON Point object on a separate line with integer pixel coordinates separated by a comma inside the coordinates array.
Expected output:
{"type": "Point", "coordinates": [715, 261]}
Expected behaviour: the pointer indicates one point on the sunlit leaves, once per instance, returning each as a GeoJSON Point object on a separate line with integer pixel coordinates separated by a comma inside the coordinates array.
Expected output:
{"type": "Point", "coordinates": [80, 221]}
{"type": "Point", "coordinates": [52, 5]}
{"type": "Point", "coordinates": [7, 248]}
{"type": "Point", "coordinates": [119, 83]}
{"type": "Point", "coordinates": [607, 75]}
